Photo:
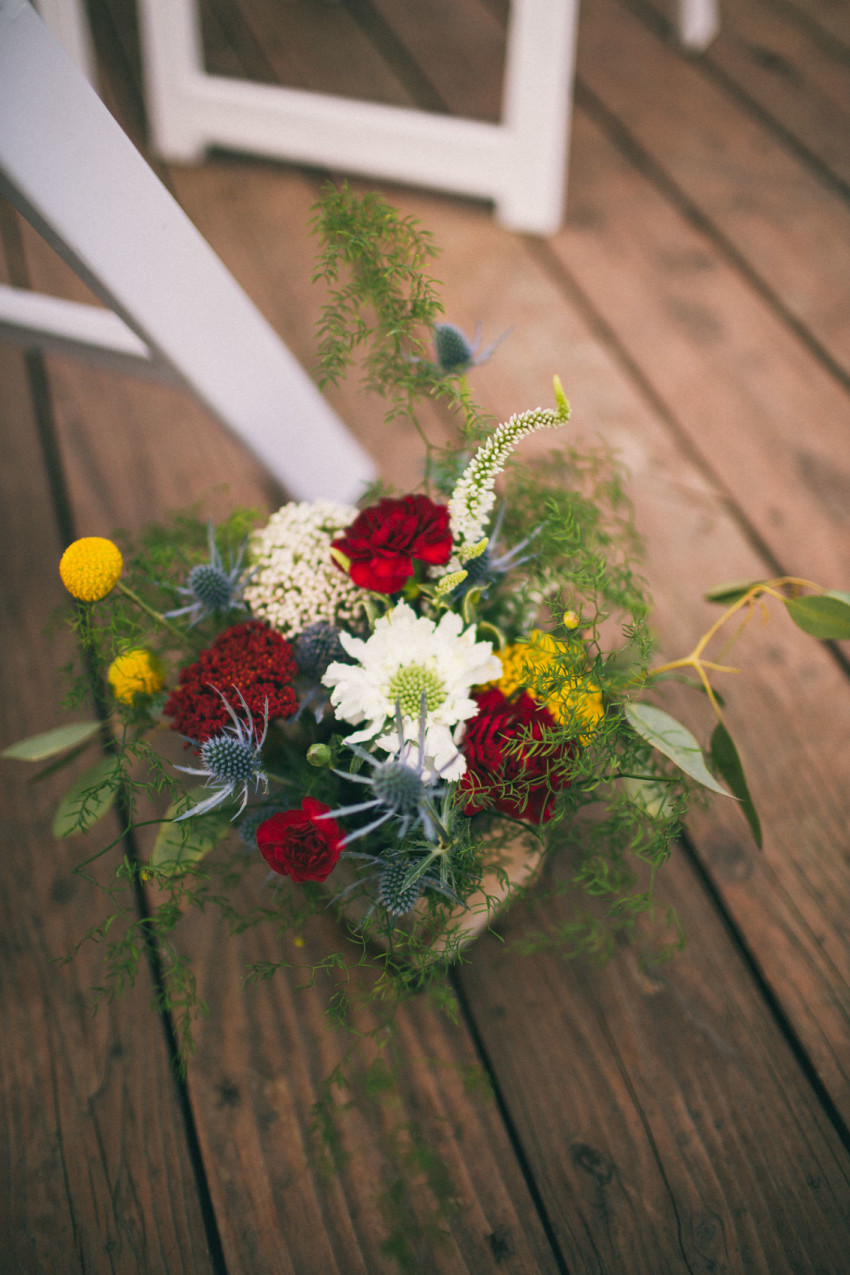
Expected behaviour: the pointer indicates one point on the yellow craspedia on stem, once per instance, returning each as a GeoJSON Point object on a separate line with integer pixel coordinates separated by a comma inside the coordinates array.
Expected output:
{"type": "Point", "coordinates": [90, 568]}
{"type": "Point", "coordinates": [134, 673]}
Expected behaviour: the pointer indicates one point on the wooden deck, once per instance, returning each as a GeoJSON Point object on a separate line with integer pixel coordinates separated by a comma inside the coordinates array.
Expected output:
{"type": "Point", "coordinates": [693, 1118]}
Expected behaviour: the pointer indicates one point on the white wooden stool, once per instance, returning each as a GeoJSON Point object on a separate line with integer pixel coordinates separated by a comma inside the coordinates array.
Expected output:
{"type": "Point", "coordinates": [520, 163]}
{"type": "Point", "coordinates": [175, 311]}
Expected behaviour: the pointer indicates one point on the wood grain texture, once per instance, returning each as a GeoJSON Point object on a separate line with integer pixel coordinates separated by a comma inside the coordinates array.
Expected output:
{"type": "Point", "coordinates": [667, 1120]}
{"type": "Point", "coordinates": [792, 899]}
{"type": "Point", "coordinates": [797, 80]}
{"type": "Point", "coordinates": [775, 215]}
{"type": "Point", "coordinates": [751, 401]}
{"type": "Point", "coordinates": [96, 1174]}
{"type": "Point", "coordinates": [826, 18]}
{"type": "Point", "coordinates": [133, 451]}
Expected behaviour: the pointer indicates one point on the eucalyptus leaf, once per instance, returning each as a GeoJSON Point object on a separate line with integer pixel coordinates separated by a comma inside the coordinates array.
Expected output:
{"type": "Point", "coordinates": [88, 799]}
{"type": "Point", "coordinates": [731, 592]}
{"type": "Point", "coordinates": [727, 763]}
{"type": "Point", "coordinates": [51, 742]}
{"type": "Point", "coordinates": [653, 797]}
{"type": "Point", "coordinates": [823, 615]}
{"type": "Point", "coordinates": [178, 845]}
{"type": "Point", "coordinates": [673, 740]}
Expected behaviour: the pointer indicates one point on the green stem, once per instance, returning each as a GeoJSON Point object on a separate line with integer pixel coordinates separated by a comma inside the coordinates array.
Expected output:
{"type": "Point", "coordinates": [154, 615]}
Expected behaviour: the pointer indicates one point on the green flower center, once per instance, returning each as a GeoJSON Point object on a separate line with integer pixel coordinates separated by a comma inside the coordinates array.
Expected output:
{"type": "Point", "coordinates": [407, 686]}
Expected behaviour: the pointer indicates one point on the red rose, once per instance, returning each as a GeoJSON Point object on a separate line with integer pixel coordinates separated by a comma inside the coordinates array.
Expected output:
{"type": "Point", "coordinates": [503, 771]}
{"type": "Point", "coordinates": [298, 844]}
{"type": "Point", "coordinates": [386, 539]}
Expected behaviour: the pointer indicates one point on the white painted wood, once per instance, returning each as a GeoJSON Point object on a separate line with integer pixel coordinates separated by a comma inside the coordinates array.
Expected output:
{"type": "Point", "coordinates": [519, 163]}
{"type": "Point", "coordinates": [68, 21]}
{"type": "Point", "coordinates": [699, 23]}
{"type": "Point", "coordinates": [67, 327]}
{"type": "Point", "coordinates": [69, 168]}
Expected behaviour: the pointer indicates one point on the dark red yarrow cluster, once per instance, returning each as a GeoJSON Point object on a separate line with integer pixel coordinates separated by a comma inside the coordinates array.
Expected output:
{"type": "Point", "coordinates": [386, 539]}
{"type": "Point", "coordinates": [248, 657]}
{"type": "Point", "coordinates": [504, 772]}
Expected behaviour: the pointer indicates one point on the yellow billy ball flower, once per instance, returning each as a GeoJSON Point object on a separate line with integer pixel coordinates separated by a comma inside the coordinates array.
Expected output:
{"type": "Point", "coordinates": [524, 662]}
{"type": "Point", "coordinates": [90, 568]}
{"type": "Point", "coordinates": [135, 673]}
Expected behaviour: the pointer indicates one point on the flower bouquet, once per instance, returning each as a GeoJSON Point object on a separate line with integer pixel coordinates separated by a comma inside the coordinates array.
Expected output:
{"type": "Point", "coordinates": [409, 711]}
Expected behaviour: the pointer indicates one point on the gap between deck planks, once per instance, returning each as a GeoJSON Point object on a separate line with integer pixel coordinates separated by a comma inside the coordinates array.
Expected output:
{"type": "Point", "coordinates": [533, 1106]}
{"type": "Point", "coordinates": [96, 1167]}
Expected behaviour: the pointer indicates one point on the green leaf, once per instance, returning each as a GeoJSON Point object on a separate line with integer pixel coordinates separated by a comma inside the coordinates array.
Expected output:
{"type": "Point", "coordinates": [727, 763]}
{"type": "Point", "coordinates": [178, 845]}
{"type": "Point", "coordinates": [88, 799]}
{"type": "Point", "coordinates": [51, 742]}
{"type": "Point", "coordinates": [673, 740]}
{"type": "Point", "coordinates": [732, 591]}
{"type": "Point", "coordinates": [823, 615]}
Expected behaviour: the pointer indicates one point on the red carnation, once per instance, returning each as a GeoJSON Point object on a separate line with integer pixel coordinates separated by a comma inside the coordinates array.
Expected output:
{"type": "Point", "coordinates": [386, 539]}
{"type": "Point", "coordinates": [504, 772]}
{"type": "Point", "coordinates": [248, 657]}
{"type": "Point", "coordinates": [298, 844]}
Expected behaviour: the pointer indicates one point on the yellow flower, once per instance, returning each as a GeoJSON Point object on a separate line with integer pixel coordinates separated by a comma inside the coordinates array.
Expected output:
{"type": "Point", "coordinates": [90, 568]}
{"type": "Point", "coordinates": [524, 662]}
{"type": "Point", "coordinates": [135, 673]}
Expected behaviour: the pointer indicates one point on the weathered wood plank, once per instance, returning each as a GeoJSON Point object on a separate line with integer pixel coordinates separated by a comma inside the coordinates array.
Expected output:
{"type": "Point", "coordinates": [122, 472]}
{"type": "Point", "coordinates": [491, 274]}
{"type": "Point", "coordinates": [830, 17]}
{"type": "Point", "coordinates": [797, 80]}
{"type": "Point", "coordinates": [96, 1174]}
{"type": "Point", "coordinates": [775, 215]}
{"type": "Point", "coordinates": [320, 47]}
{"type": "Point", "coordinates": [751, 399]}
{"type": "Point", "coordinates": [663, 1113]}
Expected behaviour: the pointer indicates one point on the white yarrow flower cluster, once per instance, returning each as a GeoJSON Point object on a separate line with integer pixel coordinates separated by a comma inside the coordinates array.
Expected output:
{"type": "Point", "coordinates": [295, 582]}
{"type": "Point", "coordinates": [474, 495]}
{"type": "Point", "coordinates": [405, 657]}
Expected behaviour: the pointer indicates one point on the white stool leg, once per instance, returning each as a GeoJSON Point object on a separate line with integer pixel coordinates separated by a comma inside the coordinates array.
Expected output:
{"type": "Point", "coordinates": [74, 174]}
{"type": "Point", "coordinates": [699, 23]}
{"type": "Point", "coordinates": [519, 162]}
{"type": "Point", "coordinates": [538, 97]}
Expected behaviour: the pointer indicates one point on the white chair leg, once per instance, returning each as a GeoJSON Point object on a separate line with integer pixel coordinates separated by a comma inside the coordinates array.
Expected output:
{"type": "Point", "coordinates": [68, 21]}
{"type": "Point", "coordinates": [699, 23]}
{"type": "Point", "coordinates": [69, 168]}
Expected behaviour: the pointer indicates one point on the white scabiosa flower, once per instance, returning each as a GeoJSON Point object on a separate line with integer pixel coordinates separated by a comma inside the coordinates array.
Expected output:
{"type": "Point", "coordinates": [474, 495]}
{"type": "Point", "coordinates": [294, 582]}
{"type": "Point", "coordinates": [409, 657]}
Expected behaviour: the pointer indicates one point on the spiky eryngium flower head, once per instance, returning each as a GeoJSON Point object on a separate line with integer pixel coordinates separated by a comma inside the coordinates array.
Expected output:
{"type": "Point", "coordinates": [393, 894]}
{"type": "Point", "coordinates": [403, 787]}
{"type": "Point", "coordinates": [212, 588]}
{"type": "Point", "coordinates": [454, 352]}
{"type": "Point", "coordinates": [232, 759]}
{"type": "Point", "coordinates": [317, 647]}
{"type": "Point", "coordinates": [474, 495]}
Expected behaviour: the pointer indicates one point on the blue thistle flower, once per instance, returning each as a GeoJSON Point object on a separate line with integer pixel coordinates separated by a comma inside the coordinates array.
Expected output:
{"type": "Point", "coordinates": [232, 760]}
{"type": "Point", "coordinates": [455, 353]}
{"type": "Point", "coordinates": [490, 566]}
{"type": "Point", "coordinates": [212, 588]}
{"type": "Point", "coordinates": [316, 647]}
{"type": "Point", "coordinates": [403, 788]}
{"type": "Point", "coordinates": [393, 894]}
